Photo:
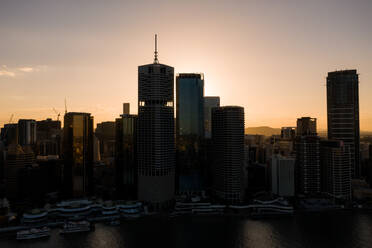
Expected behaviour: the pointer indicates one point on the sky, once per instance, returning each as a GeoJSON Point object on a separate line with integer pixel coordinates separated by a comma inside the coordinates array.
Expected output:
{"type": "Point", "coordinates": [271, 57]}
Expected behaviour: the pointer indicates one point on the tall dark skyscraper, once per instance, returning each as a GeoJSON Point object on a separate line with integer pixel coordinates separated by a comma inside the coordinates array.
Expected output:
{"type": "Point", "coordinates": [78, 154]}
{"type": "Point", "coordinates": [189, 131]}
{"type": "Point", "coordinates": [26, 132]}
{"type": "Point", "coordinates": [209, 103]}
{"type": "Point", "coordinates": [228, 141]}
{"type": "Point", "coordinates": [126, 156]}
{"type": "Point", "coordinates": [307, 157]}
{"type": "Point", "coordinates": [343, 112]}
{"type": "Point", "coordinates": [156, 141]}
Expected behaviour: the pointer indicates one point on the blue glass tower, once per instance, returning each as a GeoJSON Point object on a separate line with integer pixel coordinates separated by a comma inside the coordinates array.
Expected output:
{"type": "Point", "coordinates": [189, 131]}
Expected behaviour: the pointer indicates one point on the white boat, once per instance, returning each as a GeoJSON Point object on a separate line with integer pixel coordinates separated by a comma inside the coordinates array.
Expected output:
{"type": "Point", "coordinates": [74, 227]}
{"type": "Point", "coordinates": [33, 233]}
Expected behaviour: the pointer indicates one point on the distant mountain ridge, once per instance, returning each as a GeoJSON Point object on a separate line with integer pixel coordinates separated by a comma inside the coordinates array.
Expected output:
{"type": "Point", "coordinates": [268, 131]}
{"type": "Point", "coordinates": [263, 130]}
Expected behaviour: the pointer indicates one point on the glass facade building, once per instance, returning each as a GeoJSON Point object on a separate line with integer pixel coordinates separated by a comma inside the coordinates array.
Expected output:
{"type": "Point", "coordinates": [189, 131]}
{"type": "Point", "coordinates": [78, 154]}
{"type": "Point", "coordinates": [126, 157]}
{"type": "Point", "coordinates": [343, 112]}
{"type": "Point", "coordinates": [209, 103]}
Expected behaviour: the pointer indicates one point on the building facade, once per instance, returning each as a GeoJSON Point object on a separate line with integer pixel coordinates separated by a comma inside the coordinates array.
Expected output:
{"type": "Point", "coordinates": [228, 141]}
{"type": "Point", "coordinates": [126, 170]}
{"type": "Point", "coordinates": [26, 132]}
{"type": "Point", "coordinates": [307, 157]}
{"type": "Point", "coordinates": [78, 154]}
{"type": "Point", "coordinates": [283, 176]}
{"type": "Point", "coordinates": [336, 169]}
{"type": "Point", "coordinates": [209, 103]}
{"type": "Point", "coordinates": [343, 112]}
{"type": "Point", "coordinates": [189, 131]}
{"type": "Point", "coordinates": [156, 136]}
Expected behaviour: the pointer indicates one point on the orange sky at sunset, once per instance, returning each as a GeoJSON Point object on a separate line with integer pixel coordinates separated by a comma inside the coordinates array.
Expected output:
{"type": "Point", "coordinates": [271, 58]}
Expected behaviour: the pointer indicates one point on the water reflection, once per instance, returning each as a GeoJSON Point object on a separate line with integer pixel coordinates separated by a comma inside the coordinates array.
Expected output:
{"type": "Point", "coordinates": [311, 230]}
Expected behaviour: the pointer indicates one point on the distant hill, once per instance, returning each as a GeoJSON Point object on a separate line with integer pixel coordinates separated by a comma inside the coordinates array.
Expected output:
{"type": "Point", "coordinates": [267, 131]}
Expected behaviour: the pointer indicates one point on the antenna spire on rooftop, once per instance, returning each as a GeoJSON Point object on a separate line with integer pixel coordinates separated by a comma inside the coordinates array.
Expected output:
{"type": "Point", "coordinates": [156, 61]}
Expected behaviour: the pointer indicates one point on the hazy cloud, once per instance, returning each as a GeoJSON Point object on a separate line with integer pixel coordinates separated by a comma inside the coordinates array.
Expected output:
{"type": "Point", "coordinates": [26, 69]}
{"type": "Point", "coordinates": [6, 73]}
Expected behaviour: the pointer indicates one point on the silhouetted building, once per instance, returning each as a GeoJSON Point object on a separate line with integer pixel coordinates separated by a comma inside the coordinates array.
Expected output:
{"type": "Point", "coordinates": [78, 154]}
{"type": "Point", "coordinates": [26, 132]}
{"type": "Point", "coordinates": [126, 157]}
{"type": "Point", "coordinates": [283, 176]}
{"type": "Point", "coordinates": [156, 141]}
{"type": "Point", "coordinates": [105, 132]}
{"type": "Point", "coordinates": [48, 134]}
{"type": "Point", "coordinates": [288, 133]}
{"type": "Point", "coordinates": [209, 103]}
{"type": "Point", "coordinates": [16, 158]}
{"type": "Point", "coordinates": [228, 141]}
{"type": "Point", "coordinates": [336, 169]}
{"type": "Point", "coordinates": [9, 134]}
{"type": "Point", "coordinates": [189, 131]}
{"type": "Point", "coordinates": [306, 126]}
{"type": "Point", "coordinates": [126, 108]}
{"type": "Point", "coordinates": [343, 112]}
{"type": "Point", "coordinates": [307, 157]}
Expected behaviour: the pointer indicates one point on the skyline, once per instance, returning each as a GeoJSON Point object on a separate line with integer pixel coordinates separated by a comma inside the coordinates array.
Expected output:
{"type": "Point", "coordinates": [274, 66]}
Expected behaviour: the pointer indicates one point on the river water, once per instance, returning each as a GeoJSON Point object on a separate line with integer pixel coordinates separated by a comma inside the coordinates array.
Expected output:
{"type": "Point", "coordinates": [307, 230]}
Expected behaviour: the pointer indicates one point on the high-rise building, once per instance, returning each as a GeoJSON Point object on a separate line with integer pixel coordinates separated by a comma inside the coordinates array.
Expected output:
{"type": "Point", "coordinates": [126, 108]}
{"type": "Point", "coordinates": [156, 141]}
{"type": "Point", "coordinates": [9, 134]}
{"type": "Point", "coordinates": [288, 133]}
{"type": "Point", "coordinates": [209, 103]}
{"type": "Point", "coordinates": [189, 131]}
{"type": "Point", "coordinates": [228, 141]}
{"type": "Point", "coordinates": [126, 157]}
{"type": "Point", "coordinates": [16, 159]}
{"type": "Point", "coordinates": [343, 112]}
{"type": "Point", "coordinates": [26, 132]}
{"type": "Point", "coordinates": [49, 136]}
{"type": "Point", "coordinates": [307, 157]}
{"type": "Point", "coordinates": [283, 176]}
{"type": "Point", "coordinates": [306, 126]}
{"type": "Point", "coordinates": [105, 132]}
{"type": "Point", "coordinates": [78, 154]}
{"type": "Point", "coordinates": [336, 170]}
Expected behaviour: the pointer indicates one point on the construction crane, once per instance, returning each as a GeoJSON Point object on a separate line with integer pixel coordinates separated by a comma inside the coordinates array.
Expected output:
{"type": "Point", "coordinates": [57, 113]}
{"type": "Point", "coordinates": [11, 118]}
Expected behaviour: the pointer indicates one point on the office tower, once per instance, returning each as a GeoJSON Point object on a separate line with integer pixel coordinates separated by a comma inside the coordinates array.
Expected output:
{"type": "Point", "coordinates": [283, 176]}
{"type": "Point", "coordinates": [288, 133]}
{"type": "Point", "coordinates": [105, 132]}
{"type": "Point", "coordinates": [306, 126]}
{"type": "Point", "coordinates": [126, 108]}
{"type": "Point", "coordinates": [228, 141]}
{"type": "Point", "coordinates": [189, 131]}
{"type": "Point", "coordinates": [16, 159]}
{"type": "Point", "coordinates": [78, 154]}
{"type": "Point", "coordinates": [209, 103]}
{"type": "Point", "coordinates": [343, 112]}
{"type": "Point", "coordinates": [9, 134]}
{"type": "Point", "coordinates": [336, 170]}
{"type": "Point", "coordinates": [307, 157]}
{"type": "Point", "coordinates": [155, 142]}
{"type": "Point", "coordinates": [48, 134]}
{"type": "Point", "coordinates": [126, 157]}
{"type": "Point", "coordinates": [26, 132]}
